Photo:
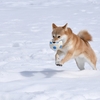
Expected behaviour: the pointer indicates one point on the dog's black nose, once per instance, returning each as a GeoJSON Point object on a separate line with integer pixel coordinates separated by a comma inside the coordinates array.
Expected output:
{"type": "Point", "coordinates": [54, 42]}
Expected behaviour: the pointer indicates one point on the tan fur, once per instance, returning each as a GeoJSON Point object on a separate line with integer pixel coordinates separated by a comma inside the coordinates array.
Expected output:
{"type": "Point", "coordinates": [74, 46]}
{"type": "Point", "coordinates": [85, 35]}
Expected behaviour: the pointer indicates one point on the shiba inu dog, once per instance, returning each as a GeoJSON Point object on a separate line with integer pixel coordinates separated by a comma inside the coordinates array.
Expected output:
{"type": "Point", "coordinates": [74, 46]}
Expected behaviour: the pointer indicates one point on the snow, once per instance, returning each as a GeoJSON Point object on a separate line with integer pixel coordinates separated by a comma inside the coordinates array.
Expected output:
{"type": "Point", "coordinates": [27, 67]}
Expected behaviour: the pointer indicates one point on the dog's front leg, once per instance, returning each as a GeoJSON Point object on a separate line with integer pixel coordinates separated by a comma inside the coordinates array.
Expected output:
{"type": "Point", "coordinates": [57, 58]}
{"type": "Point", "coordinates": [67, 57]}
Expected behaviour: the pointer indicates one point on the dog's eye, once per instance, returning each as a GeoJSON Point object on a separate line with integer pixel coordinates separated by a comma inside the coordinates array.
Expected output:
{"type": "Point", "coordinates": [53, 36]}
{"type": "Point", "coordinates": [58, 36]}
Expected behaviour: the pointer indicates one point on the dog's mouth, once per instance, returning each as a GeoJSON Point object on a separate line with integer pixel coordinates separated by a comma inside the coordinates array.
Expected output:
{"type": "Point", "coordinates": [56, 41]}
{"type": "Point", "coordinates": [62, 38]}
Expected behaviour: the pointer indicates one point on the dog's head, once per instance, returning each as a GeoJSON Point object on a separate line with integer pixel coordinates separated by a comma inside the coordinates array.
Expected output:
{"type": "Point", "coordinates": [59, 33]}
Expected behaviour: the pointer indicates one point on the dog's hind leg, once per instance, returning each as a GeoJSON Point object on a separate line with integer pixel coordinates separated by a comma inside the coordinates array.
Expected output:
{"type": "Point", "coordinates": [80, 63]}
{"type": "Point", "coordinates": [93, 65]}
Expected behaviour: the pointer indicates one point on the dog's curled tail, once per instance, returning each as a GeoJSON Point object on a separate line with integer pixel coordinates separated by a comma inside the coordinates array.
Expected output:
{"type": "Point", "coordinates": [84, 35]}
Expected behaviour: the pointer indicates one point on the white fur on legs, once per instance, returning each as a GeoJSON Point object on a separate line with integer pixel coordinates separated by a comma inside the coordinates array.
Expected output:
{"type": "Point", "coordinates": [80, 63]}
{"type": "Point", "coordinates": [58, 57]}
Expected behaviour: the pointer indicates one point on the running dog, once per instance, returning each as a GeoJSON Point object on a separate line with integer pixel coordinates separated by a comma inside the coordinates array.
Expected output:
{"type": "Point", "coordinates": [74, 46]}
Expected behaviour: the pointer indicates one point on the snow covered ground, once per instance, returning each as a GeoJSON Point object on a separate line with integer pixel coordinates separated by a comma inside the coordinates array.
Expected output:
{"type": "Point", "coordinates": [27, 67]}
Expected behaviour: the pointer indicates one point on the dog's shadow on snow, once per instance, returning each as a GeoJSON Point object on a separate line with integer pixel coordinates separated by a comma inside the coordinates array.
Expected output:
{"type": "Point", "coordinates": [47, 72]}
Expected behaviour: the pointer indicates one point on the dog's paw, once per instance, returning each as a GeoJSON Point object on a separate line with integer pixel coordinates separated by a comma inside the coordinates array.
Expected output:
{"type": "Point", "coordinates": [59, 63]}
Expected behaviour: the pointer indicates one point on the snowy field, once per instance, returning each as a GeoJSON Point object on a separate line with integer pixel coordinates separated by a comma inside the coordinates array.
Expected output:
{"type": "Point", "coordinates": [27, 67]}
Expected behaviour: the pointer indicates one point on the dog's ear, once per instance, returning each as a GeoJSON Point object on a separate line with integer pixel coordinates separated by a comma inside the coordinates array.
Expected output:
{"type": "Point", "coordinates": [54, 26]}
{"type": "Point", "coordinates": [65, 26]}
